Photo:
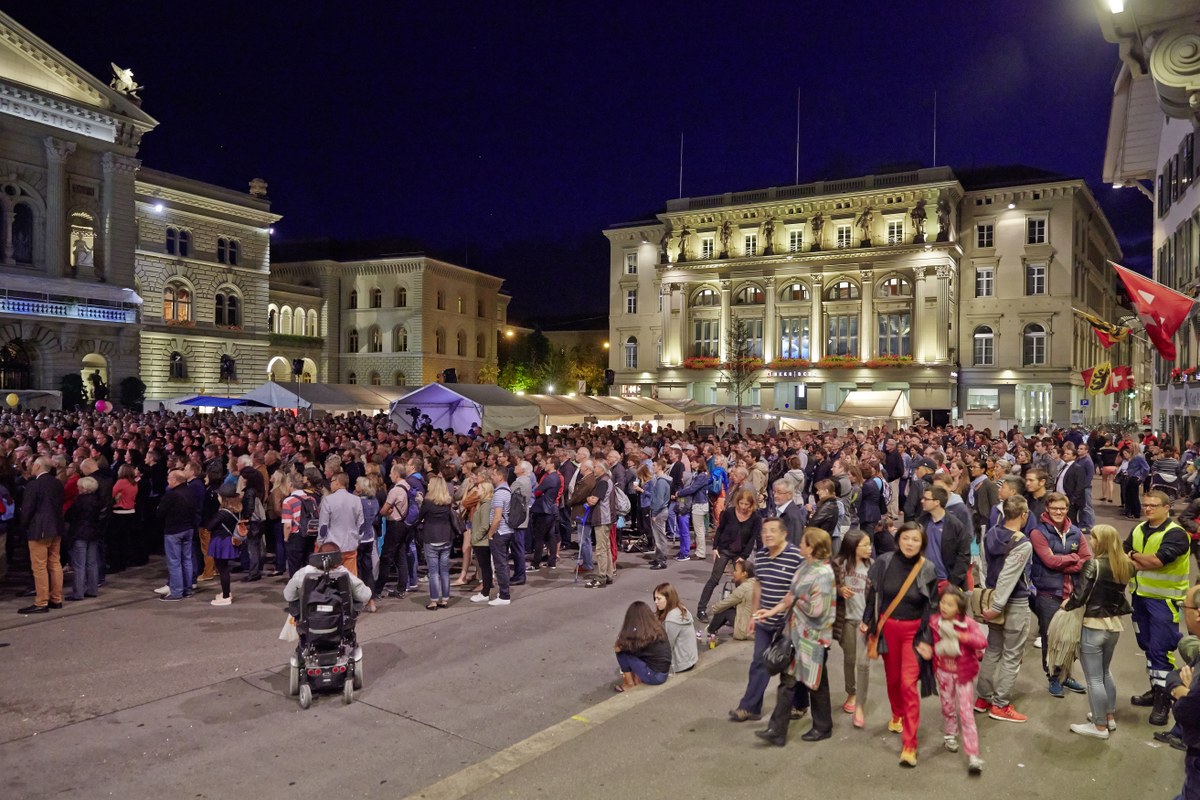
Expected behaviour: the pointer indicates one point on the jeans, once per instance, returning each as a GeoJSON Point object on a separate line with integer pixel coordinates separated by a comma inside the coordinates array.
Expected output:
{"type": "Point", "coordinates": [299, 547]}
{"type": "Point", "coordinates": [638, 667]}
{"type": "Point", "coordinates": [587, 558]}
{"type": "Point", "coordinates": [366, 562]}
{"type": "Point", "coordinates": [718, 571]}
{"type": "Point", "coordinates": [437, 558]}
{"type": "Point", "coordinates": [393, 553]}
{"type": "Point", "coordinates": [683, 524]}
{"type": "Point", "coordinates": [178, 548]}
{"type": "Point", "coordinates": [958, 700]}
{"type": "Point", "coordinates": [1045, 605]}
{"type": "Point", "coordinates": [254, 549]}
{"type": "Point", "coordinates": [699, 529]}
{"type": "Point", "coordinates": [500, 545]}
{"type": "Point", "coordinates": [1002, 659]}
{"type": "Point", "coordinates": [516, 550]}
{"type": "Point", "coordinates": [658, 525]}
{"type": "Point", "coordinates": [1096, 648]}
{"type": "Point", "coordinates": [85, 561]}
{"type": "Point", "coordinates": [411, 551]}
{"type": "Point", "coordinates": [1156, 625]}
{"type": "Point", "coordinates": [275, 531]}
{"type": "Point", "coordinates": [483, 557]}
{"type": "Point", "coordinates": [758, 678]}
{"type": "Point", "coordinates": [1087, 516]}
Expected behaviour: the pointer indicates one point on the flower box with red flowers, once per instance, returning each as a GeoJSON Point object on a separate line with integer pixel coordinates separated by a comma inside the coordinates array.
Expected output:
{"type": "Point", "coordinates": [890, 361]}
{"type": "Point", "coordinates": [781, 364]}
{"type": "Point", "coordinates": [701, 362]}
{"type": "Point", "coordinates": [839, 362]}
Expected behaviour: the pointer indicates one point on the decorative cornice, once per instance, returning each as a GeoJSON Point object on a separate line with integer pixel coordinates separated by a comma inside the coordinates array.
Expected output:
{"type": "Point", "coordinates": [154, 192]}
{"type": "Point", "coordinates": [111, 162]}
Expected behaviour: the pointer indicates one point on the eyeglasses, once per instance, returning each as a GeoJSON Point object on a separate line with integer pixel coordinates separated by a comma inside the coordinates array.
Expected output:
{"type": "Point", "coordinates": [1057, 509]}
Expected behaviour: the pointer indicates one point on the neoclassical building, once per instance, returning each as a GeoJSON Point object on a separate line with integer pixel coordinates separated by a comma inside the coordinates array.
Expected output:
{"type": "Point", "coordinates": [956, 289]}
{"type": "Point", "coordinates": [108, 267]}
{"type": "Point", "coordinates": [392, 320]}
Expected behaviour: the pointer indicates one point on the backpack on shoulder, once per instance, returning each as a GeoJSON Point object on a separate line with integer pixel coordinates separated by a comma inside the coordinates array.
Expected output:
{"type": "Point", "coordinates": [518, 510]}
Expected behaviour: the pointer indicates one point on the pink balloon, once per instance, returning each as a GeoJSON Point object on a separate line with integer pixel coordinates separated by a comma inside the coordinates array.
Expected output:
{"type": "Point", "coordinates": [102, 406]}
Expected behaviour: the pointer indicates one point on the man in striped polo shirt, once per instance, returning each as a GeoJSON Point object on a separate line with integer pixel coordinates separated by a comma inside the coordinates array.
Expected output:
{"type": "Point", "coordinates": [775, 565]}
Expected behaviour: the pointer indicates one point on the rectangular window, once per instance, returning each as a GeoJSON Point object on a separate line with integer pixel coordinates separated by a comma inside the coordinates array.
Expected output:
{"type": "Point", "coordinates": [793, 337]}
{"type": "Point", "coordinates": [982, 399]}
{"type": "Point", "coordinates": [985, 281]}
{"type": "Point", "coordinates": [754, 337]}
{"type": "Point", "coordinates": [1035, 230]}
{"type": "Point", "coordinates": [985, 353]}
{"type": "Point", "coordinates": [895, 334]}
{"type": "Point", "coordinates": [631, 301]}
{"type": "Point", "coordinates": [843, 335]}
{"type": "Point", "coordinates": [1035, 279]}
{"type": "Point", "coordinates": [706, 338]}
{"type": "Point", "coordinates": [1035, 349]}
{"type": "Point", "coordinates": [843, 236]}
{"type": "Point", "coordinates": [706, 247]}
{"type": "Point", "coordinates": [750, 244]}
{"type": "Point", "coordinates": [895, 232]}
{"type": "Point", "coordinates": [631, 263]}
{"type": "Point", "coordinates": [795, 241]}
{"type": "Point", "coordinates": [985, 235]}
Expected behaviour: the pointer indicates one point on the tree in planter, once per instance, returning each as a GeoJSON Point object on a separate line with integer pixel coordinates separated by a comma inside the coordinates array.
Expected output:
{"type": "Point", "coordinates": [132, 393]}
{"type": "Point", "coordinates": [742, 367]}
{"type": "Point", "coordinates": [489, 373]}
{"type": "Point", "coordinates": [587, 365]}
{"type": "Point", "coordinates": [73, 394]}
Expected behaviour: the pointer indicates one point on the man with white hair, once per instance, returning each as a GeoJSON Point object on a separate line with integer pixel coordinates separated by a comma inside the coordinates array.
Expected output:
{"type": "Point", "coordinates": [600, 521]}
{"type": "Point", "coordinates": [518, 545]}
{"type": "Point", "coordinates": [176, 513]}
{"type": "Point", "coordinates": [42, 521]}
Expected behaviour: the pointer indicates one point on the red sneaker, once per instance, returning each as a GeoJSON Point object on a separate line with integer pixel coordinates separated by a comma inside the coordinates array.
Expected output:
{"type": "Point", "coordinates": [1007, 714]}
{"type": "Point", "coordinates": [982, 706]}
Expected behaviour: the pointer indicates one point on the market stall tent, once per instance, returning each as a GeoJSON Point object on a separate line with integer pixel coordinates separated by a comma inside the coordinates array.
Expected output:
{"type": "Point", "coordinates": [867, 404]}
{"type": "Point", "coordinates": [461, 405]}
{"type": "Point", "coordinates": [333, 398]}
{"type": "Point", "coordinates": [565, 411]}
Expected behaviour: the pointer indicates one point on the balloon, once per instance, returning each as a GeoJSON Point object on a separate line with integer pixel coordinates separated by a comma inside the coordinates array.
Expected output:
{"type": "Point", "coordinates": [13, 400]}
{"type": "Point", "coordinates": [103, 406]}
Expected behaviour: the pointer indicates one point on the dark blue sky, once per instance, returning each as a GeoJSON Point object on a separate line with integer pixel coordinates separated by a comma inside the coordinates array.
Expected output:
{"type": "Point", "coordinates": [508, 135]}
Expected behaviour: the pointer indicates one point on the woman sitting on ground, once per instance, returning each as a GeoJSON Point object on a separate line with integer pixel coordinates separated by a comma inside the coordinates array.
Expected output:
{"type": "Point", "coordinates": [642, 649]}
{"type": "Point", "coordinates": [737, 608]}
{"type": "Point", "coordinates": [678, 623]}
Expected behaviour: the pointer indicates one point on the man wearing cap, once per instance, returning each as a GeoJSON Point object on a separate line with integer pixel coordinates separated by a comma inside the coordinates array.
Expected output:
{"type": "Point", "coordinates": [922, 469]}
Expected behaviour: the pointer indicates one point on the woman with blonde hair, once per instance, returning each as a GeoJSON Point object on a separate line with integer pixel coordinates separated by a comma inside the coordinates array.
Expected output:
{"type": "Point", "coordinates": [480, 544]}
{"type": "Point", "coordinates": [1100, 589]}
{"type": "Point", "coordinates": [438, 525]}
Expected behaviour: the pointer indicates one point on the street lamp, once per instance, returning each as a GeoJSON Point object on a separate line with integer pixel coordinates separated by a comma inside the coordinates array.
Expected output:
{"type": "Point", "coordinates": [550, 388]}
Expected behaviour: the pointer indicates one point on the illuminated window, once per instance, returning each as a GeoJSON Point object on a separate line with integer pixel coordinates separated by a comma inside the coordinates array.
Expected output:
{"type": "Point", "coordinates": [177, 303]}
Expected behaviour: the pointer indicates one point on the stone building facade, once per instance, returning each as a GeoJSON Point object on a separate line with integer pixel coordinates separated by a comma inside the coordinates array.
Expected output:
{"type": "Point", "coordinates": [869, 283]}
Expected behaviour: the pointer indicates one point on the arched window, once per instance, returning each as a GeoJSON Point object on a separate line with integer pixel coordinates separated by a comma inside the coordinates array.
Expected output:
{"type": "Point", "coordinates": [462, 343]}
{"type": "Point", "coordinates": [439, 341]}
{"type": "Point", "coordinates": [377, 298]}
{"type": "Point", "coordinates": [352, 341]}
{"type": "Point", "coordinates": [631, 348]}
{"type": "Point", "coordinates": [312, 323]}
{"type": "Point", "coordinates": [353, 299]}
{"type": "Point", "coordinates": [22, 233]}
{"type": "Point", "coordinates": [401, 297]}
{"type": "Point", "coordinates": [400, 379]}
{"type": "Point", "coordinates": [285, 321]}
{"type": "Point", "coordinates": [481, 346]}
{"type": "Point", "coordinates": [300, 326]}
{"type": "Point", "coordinates": [219, 309]}
{"type": "Point", "coordinates": [178, 367]}
{"type": "Point", "coordinates": [172, 242]}
{"type": "Point", "coordinates": [351, 378]}
{"type": "Point", "coordinates": [985, 346]}
{"type": "Point", "coordinates": [185, 243]}
{"type": "Point", "coordinates": [842, 290]}
{"type": "Point", "coordinates": [222, 249]}
{"type": "Point", "coordinates": [375, 380]}
{"type": "Point", "coordinates": [749, 296]}
{"type": "Point", "coordinates": [795, 293]}
{"type": "Point", "coordinates": [1034, 345]}
{"type": "Point", "coordinates": [374, 340]}
{"type": "Point", "coordinates": [228, 308]}
{"type": "Point", "coordinates": [894, 287]}
{"type": "Point", "coordinates": [400, 339]}
{"type": "Point", "coordinates": [705, 298]}
{"type": "Point", "coordinates": [235, 249]}
{"type": "Point", "coordinates": [441, 300]}
{"type": "Point", "coordinates": [177, 302]}
{"type": "Point", "coordinates": [272, 319]}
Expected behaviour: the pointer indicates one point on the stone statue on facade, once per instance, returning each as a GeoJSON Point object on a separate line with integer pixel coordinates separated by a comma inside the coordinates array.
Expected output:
{"type": "Point", "coordinates": [726, 235]}
{"type": "Point", "coordinates": [943, 216]}
{"type": "Point", "coordinates": [918, 217]}
{"type": "Point", "coordinates": [768, 231]}
{"type": "Point", "coordinates": [662, 246]}
{"type": "Point", "coordinates": [124, 83]}
{"type": "Point", "coordinates": [818, 222]}
{"type": "Point", "coordinates": [864, 226]}
{"type": "Point", "coordinates": [684, 233]}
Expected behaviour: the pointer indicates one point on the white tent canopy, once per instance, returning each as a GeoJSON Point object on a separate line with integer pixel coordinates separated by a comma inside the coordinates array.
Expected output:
{"type": "Point", "coordinates": [461, 405]}
{"type": "Point", "coordinates": [335, 398]}
{"type": "Point", "coordinates": [867, 404]}
{"type": "Point", "coordinates": [564, 410]}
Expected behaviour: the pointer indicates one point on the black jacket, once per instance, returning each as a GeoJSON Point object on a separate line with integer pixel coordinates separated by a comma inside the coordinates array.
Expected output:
{"type": "Point", "coordinates": [1095, 587]}
{"type": "Point", "coordinates": [825, 516]}
{"type": "Point", "coordinates": [435, 524]}
{"type": "Point", "coordinates": [795, 520]}
{"type": "Point", "coordinates": [1075, 485]}
{"type": "Point", "coordinates": [176, 510]}
{"type": "Point", "coordinates": [956, 547]}
{"type": "Point", "coordinates": [85, 515]}
{"type": "Point", "coordinates": [870, 504]}
{"type": "Point", "coordinates": [735, 538]}
{"type": "Point", "coordinates": [912, 500]}
{"type": "Point", "coordinates": [41, 508]}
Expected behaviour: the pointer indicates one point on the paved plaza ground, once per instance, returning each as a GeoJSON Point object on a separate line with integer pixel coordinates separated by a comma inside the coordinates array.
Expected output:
{"type": "Point", "coordinates": [128, 697]}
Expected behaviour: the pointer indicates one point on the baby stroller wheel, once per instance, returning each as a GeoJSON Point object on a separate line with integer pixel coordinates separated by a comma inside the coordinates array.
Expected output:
{"type": "Point", "coordinates": [305, 696]}
{"type": "Point", "coordinates": [293, 680]}
{"type": "Point", "coordinates": [348, 692]}
{"type": "Point", "coordinates": [358, 674]}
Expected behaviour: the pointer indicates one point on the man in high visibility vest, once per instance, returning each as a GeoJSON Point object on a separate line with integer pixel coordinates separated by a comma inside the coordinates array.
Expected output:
{"type": "Point", "coordinates": [1159, 549]}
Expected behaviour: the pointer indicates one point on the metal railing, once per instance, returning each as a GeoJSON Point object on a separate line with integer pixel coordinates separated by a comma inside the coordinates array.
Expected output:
{"type": "Point", "coordinates": [31, 307]}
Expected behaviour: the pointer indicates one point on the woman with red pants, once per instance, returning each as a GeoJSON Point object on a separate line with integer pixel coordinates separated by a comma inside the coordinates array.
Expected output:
{"type": "Point", "coordinates": [901, 596]}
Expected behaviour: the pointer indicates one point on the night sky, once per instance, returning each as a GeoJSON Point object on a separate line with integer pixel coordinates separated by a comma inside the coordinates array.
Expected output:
{"type": "Point", "coordinates": [506, 136]}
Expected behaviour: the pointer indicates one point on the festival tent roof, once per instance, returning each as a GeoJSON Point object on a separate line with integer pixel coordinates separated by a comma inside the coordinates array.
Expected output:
{"type": "Point", "coordinates": [866, 404]}
{"type": "Point", "coordinates": [461, 405]}
{"type": "Point", "coordinates": [209, 401]}
{"type": "Point", "coordinates": [564, 410]}
{"type": "Point", "coordinates": [331, 397]}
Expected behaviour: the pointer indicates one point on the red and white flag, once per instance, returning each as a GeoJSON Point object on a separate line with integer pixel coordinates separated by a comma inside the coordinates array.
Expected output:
{"type": "Point", "coordinates": [1120, 380]}
{"type": "Point", "coordinates": [1161, 310]}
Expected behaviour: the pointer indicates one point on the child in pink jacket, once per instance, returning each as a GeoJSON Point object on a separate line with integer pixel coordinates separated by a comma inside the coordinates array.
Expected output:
{"type": "Point", "coordinates": [958, 645]}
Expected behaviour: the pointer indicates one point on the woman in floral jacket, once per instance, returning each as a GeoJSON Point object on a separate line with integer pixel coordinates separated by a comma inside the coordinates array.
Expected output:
{"type": "Point", "coordinates": [812, 599]}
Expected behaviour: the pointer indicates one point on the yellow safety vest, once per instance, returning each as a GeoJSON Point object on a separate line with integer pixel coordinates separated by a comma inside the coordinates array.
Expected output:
{"type": "Point", "coordinates": [1170, 581]}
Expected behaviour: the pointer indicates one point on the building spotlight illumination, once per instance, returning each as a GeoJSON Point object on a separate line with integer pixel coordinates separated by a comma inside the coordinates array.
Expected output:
{"type": "Point", "coordinates": [158, 208]}
{"type": "Point", "coordinates": [1116, 6]}
{"type": "Point", "coordinates": [605, 345]}
{"type": "Point", "coordinates": [509, 333]}
{"type": "Point", "coordinates": [550, 388]}
{"type": "Point", "coordinates": [1012, 205]}
{"type": "Point", "coordinates": [270, 230]}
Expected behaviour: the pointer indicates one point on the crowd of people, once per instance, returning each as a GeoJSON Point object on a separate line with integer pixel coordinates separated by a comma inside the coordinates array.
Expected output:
{"type": "Point", "coordinates": [934, 549]}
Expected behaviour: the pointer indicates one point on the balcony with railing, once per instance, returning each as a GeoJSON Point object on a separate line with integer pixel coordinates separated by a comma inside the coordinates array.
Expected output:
{"type": "Point", "coordinates": [67, 309]}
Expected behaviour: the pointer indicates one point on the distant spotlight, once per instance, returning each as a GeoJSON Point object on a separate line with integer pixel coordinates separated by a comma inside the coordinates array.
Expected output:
{"type": "Point", "coordinates": [928, 247]}
{"type": "Point", "coordinates": [270, 230]}
{"type": "Point", "coordinates": [550, 388]}
{"type": "Point", "coordinates": [158, 208]}
{"type": "Point", "coordinates": [1117, 6]}
{"type": "Point", "coordinates": [605, 345]}
{"type": "Point", "coordinates": [509, 333]}
{"type": "Point", "coordinates": [1012, 205]}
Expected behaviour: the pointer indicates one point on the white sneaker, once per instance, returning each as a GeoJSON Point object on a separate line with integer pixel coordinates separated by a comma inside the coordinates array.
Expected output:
{"type": "Point", "coordinates": [479, 597]}
{"type": "Point", "coordinates": [1038, 643]}
{"type": "Point", "coordinates": [221, 601]}
{"type": "Point", "coordinates": [1089, 730]}
{"type": "Point", "coordinates": [499, 601]}
{"type": "Point", "coordinates": [163, 590]}
{"type": "Point", "coordinates": [1112, 723]}
{"type": "Point", "coordinates": [951, 743]}
{"type": "Point", "coordinates": [974, 765]}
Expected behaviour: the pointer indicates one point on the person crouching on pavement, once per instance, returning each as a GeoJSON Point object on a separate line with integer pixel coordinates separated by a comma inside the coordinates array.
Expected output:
{"type": "Point", "coordinates": [643, 652]}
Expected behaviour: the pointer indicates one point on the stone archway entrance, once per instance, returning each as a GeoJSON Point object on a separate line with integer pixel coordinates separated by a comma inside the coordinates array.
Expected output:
{"type": "Point", "coordinates": [279, 369]}
{"type": "Point", "coordinates": [15, 368]}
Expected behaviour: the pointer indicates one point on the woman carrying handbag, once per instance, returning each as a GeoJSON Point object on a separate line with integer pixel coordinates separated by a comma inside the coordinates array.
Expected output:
{"type": "Point", "coordinates": [902, 584]}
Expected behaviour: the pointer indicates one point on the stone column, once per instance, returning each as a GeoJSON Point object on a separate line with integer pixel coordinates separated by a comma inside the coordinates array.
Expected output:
{"type": "Point", "coordinates": [770, 321]}
{"type": "Point", "coordinates": [664, 294]}
{"type": "Point", "coordinates": [681, 323]}
{"type": "Point", "coordinates": [866, 327]}
{"type": "Point", "coordinates": [57, 153]}
{"type": "Point", "coordinates": [942, 313]}
{"type": "Point", "coordinates": [815, 345]}
{"type": "Point", "coordinates": [923, 348]}
{"type": "Point", "coordinates": [116, 204]}
{"type": "Point", "coordinates": [726, 303]}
